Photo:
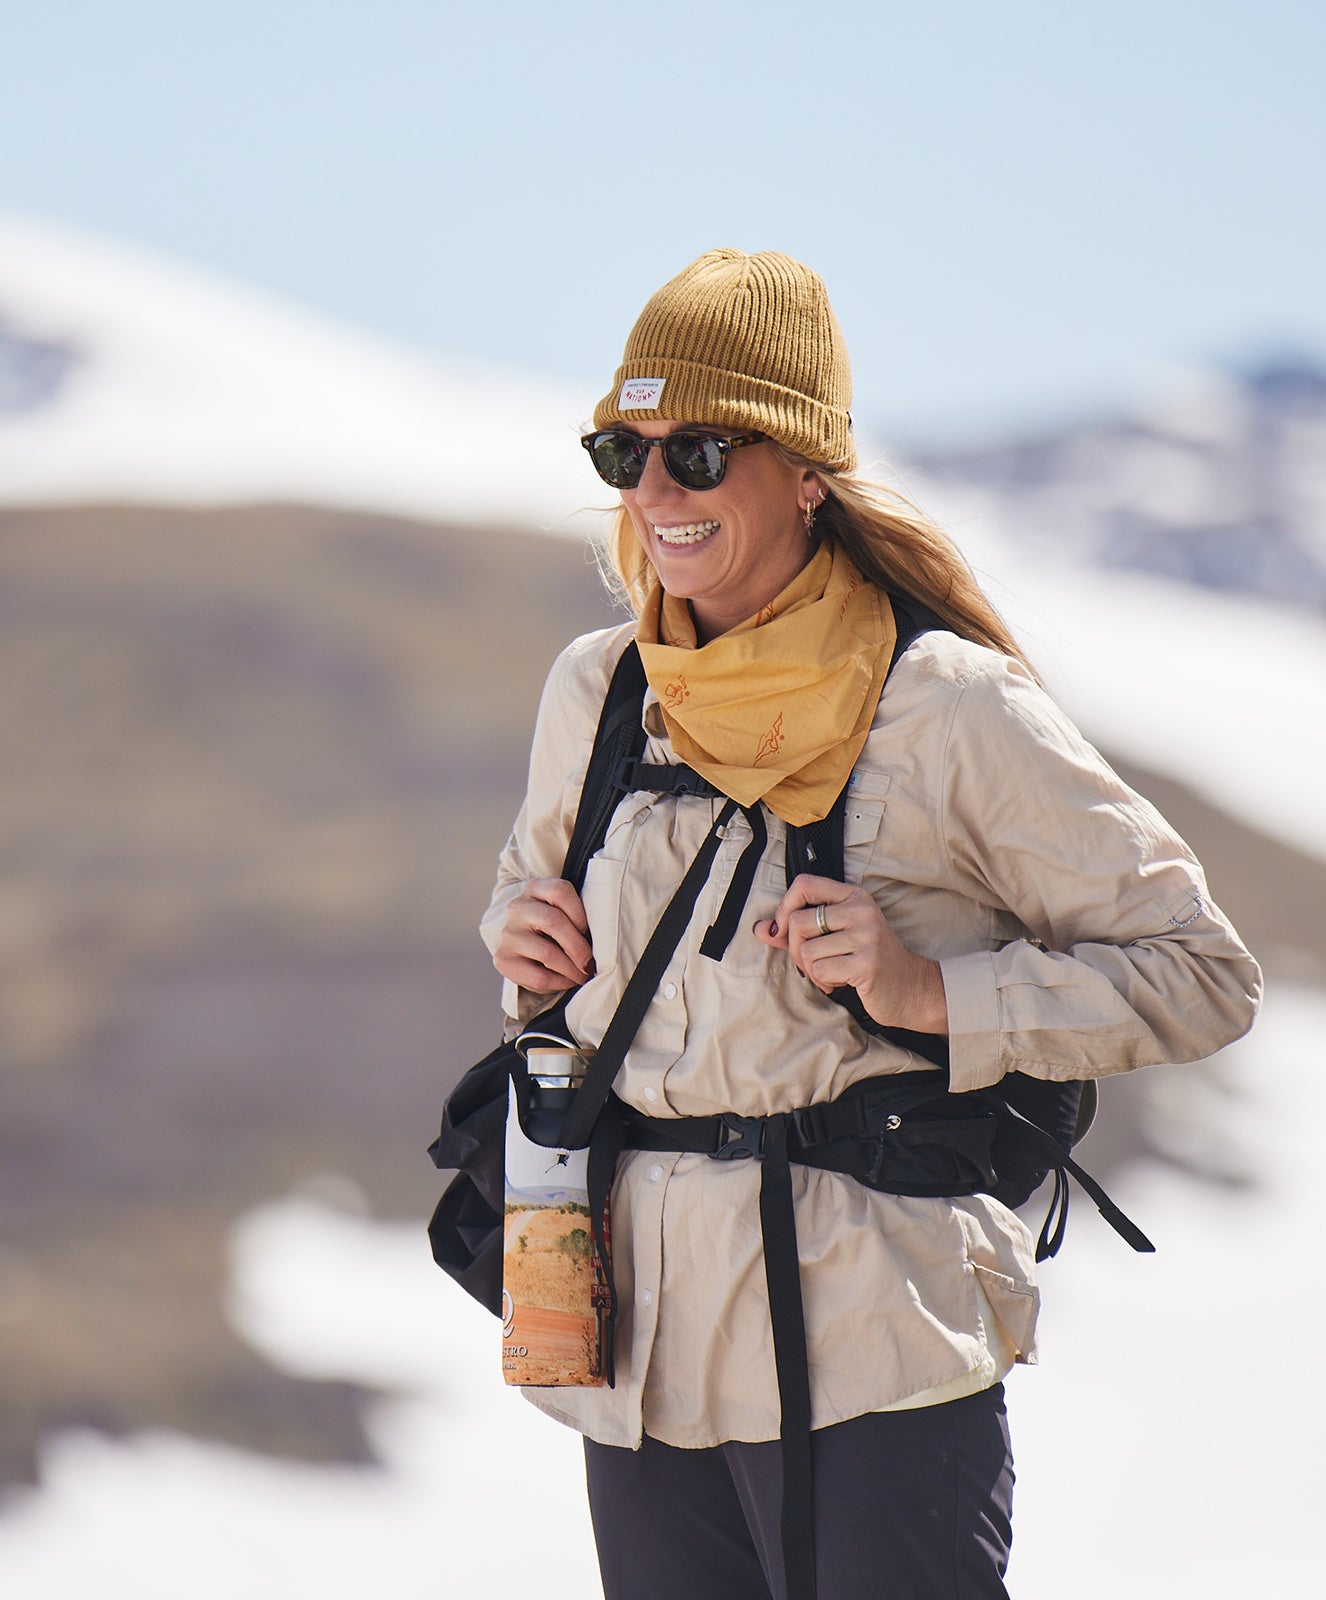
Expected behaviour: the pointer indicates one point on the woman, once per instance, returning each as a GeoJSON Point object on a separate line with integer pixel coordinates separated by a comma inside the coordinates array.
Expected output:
{"type": "Point", "coordinates": [1005, 893]}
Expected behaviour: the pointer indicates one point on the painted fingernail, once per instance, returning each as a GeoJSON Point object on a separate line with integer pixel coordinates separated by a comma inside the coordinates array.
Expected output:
{"type": "Point", "coordinates": [773, 930]}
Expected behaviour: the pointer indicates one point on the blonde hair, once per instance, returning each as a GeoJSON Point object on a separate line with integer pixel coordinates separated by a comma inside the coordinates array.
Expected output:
{"type": "Point", "coordinates": [890, 541]}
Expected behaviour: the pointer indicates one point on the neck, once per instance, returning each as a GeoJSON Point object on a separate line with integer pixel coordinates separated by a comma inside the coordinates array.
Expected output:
{"type": "Point", "coordinates": [712, 619]}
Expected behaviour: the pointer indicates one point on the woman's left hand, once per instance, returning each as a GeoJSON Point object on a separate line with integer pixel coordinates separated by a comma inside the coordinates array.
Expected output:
{"type": "Point", "coordinates": [897, 987]}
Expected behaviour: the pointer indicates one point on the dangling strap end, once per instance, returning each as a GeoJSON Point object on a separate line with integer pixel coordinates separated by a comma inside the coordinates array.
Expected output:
{"type": "Point", "coordinates": [720, 934]}
{"type": "Point", "coordinates": [1126, 1228]}
{"type": "Point", "coordinates": [1056, 1219]}
{"type": "Point", "coordinates": [605, 1147]}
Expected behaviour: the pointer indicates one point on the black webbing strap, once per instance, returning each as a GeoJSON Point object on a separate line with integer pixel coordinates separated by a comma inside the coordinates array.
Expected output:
{"type": "Point", "coordinates": [681, 780]}
{"type": "Point", "coordinates": [1061, 1163]}
{"type": "Point", "coordinates": [765, 1139]}
{"type": "Point", "coordinates": [678, 779]}
{"type": "Point", "coordinates": [818, 848]}
{"type": "Point", "coordinates": [720, 932]}
{"type": "Point", "coordinates": [589, 1121]}
{"type": "Point", "coordinates": [592, 1095]}
{"type": "Point", "coordinates": [782, 1273]}
{"type": "Point", "coordinates": [605, 1145]}
{"type": "Point", "coordinates": [620, 736]}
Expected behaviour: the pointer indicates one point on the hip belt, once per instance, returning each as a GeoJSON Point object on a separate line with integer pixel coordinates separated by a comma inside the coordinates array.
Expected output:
{"type": "Point", "coordinates": [900, 1133]}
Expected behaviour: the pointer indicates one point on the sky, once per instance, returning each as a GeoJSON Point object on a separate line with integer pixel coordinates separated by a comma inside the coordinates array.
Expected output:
{"type": "Point", "coordinates": [1023, 212]}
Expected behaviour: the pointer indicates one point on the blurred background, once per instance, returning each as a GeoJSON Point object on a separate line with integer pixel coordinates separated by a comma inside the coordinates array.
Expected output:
{"type": "Point", "coordinates": [300, 314]}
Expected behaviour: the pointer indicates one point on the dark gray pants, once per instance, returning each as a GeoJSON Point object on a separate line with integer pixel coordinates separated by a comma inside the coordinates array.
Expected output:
{"type": "Point", "coordinates": [909, 1505]}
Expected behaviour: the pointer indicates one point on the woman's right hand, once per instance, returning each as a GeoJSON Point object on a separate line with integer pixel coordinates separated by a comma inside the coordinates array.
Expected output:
{"type": "Point", "coordinates": [545, 941]}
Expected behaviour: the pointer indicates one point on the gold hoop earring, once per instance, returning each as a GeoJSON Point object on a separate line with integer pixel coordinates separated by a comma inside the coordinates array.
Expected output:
{"type": "Point", "coordinates": [808, 516]}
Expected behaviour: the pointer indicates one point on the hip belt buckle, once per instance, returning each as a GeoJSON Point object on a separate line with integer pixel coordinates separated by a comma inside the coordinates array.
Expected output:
{"type": "Point", "coordinates": [745, 1141]}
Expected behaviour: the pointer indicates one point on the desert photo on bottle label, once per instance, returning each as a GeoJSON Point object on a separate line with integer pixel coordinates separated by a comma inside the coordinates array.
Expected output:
{"type": "Point", "coordinates": [554, 1290]}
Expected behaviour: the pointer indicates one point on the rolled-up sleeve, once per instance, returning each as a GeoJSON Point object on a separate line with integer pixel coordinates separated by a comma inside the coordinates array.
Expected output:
{"type": "Point", "coordinates": [1130, 962]}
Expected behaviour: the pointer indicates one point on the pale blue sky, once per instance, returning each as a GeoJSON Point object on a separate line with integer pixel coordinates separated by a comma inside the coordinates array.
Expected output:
{"type": "Point", "coordinates": [1022, 210]}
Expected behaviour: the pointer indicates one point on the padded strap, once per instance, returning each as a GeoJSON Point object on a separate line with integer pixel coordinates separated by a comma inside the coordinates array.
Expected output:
{"type": "Point", "coordinates": [620, 736]}
{"type": "Point", "coordinates": [818, 849]}
{"type": "Point", "coordinates": [592, 1095]}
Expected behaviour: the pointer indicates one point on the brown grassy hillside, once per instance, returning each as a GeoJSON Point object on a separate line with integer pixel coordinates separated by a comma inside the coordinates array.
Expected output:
{"type": "Point", "coordinates": [257, 768]}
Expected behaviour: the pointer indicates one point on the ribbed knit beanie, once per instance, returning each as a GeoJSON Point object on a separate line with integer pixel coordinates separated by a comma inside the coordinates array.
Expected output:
{"type": "Point", "coordinates": [747, 342]}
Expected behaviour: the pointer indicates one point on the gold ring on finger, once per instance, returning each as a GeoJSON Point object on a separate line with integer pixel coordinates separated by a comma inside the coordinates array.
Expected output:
{"type": "Point", "coordinates": [821, 920]}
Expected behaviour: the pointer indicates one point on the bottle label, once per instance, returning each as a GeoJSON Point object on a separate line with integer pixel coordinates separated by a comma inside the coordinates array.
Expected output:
{"type": "Point", "coordinates": [554, 1287]}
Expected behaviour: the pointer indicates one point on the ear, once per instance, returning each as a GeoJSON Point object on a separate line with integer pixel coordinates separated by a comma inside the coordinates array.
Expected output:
{"type": "Point", "coordinates": [810, 491]}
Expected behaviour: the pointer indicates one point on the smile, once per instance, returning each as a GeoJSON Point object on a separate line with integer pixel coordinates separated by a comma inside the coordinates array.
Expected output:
{"type": "Point", "coordinates": [685, 533]}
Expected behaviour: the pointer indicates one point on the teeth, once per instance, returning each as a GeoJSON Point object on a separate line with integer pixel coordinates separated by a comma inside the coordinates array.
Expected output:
{"type": "Point", "coordinates": [687, 533]}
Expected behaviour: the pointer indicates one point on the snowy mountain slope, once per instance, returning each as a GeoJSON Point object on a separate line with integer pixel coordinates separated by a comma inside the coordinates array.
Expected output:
{"type": "Point", "coordinates": [125, 377]}
{"type": "Point", "coordinates": [1218, 481]}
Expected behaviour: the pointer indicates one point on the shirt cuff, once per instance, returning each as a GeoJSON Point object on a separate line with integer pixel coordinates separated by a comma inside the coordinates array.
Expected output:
{"type": "Point", "coordinates": [971, 992]}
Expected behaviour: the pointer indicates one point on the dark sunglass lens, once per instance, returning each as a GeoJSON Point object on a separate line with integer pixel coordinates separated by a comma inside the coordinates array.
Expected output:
{"type": "Point", "coordinates": [694, 460]}
{"type": "Point", "coordinates": [619, 459]}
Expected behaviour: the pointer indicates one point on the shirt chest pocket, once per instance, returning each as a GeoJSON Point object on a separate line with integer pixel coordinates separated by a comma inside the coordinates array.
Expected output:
{"type": "Point", "coordinates": [867, 798]}
{"type": "Point", "coordinates": [601, 893]}
{"type": "Point", "coordinates": [863, 817]}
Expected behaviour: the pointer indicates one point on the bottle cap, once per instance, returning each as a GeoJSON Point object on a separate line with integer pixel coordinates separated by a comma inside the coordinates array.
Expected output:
{"type": "Point", "coordinates": [554, 1066]}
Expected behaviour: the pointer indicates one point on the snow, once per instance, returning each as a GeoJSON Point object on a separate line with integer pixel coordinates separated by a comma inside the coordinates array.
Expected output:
{"type": "Point", "coordinates": [191, 390]}
{"type": "Point", "coordinates": [325, 1294]}
{"type": "Point", "coordinates": [1161, 1447]}
{"type": "Point", "coordinates": [1226, 694]}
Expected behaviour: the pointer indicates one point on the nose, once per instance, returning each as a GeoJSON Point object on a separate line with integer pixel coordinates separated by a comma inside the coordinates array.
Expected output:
{"type": "Point", "coordinates": [656, 481]}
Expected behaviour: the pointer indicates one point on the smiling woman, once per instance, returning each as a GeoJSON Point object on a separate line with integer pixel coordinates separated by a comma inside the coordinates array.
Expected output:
{"type": "Point", "coordinates": [816, 652]}
{"type": "Point", "coordinates": [728, 547]}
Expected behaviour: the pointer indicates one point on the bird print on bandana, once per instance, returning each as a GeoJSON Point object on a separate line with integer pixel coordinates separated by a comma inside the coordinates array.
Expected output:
{"type": "Point", "coordinates": [675, 692]}
{"type": "Point", "coordinates": [771, 743]}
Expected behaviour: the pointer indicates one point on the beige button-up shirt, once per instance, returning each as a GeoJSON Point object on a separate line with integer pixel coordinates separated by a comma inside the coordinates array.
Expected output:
{"type": "Point", "coordinates": [1076, 938]}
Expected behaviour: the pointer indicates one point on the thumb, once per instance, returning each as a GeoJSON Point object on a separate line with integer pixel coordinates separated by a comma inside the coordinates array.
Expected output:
{"type": "Point", "coordinates": [770, 933]}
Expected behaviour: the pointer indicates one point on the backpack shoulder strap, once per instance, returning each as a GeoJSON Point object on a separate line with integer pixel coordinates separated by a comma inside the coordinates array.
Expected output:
{"type": "Point", "coordinates": [818, 848]}
{"type": "Point", "coordinates": [620, 736]}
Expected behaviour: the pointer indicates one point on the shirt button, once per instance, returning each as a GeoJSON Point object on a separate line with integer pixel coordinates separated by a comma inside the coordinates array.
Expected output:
{"type": "Point", "coordinates": [655, 1173]}
{"type": "Point", "coordinates": [647, 1297]}
{"type": "Point", "coordinates": [651, 1093]}
{"type": "Point", "coordinates": [670, 992]}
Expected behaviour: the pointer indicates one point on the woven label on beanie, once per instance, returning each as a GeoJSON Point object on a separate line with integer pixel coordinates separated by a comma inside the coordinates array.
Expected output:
{"type": "Point", "coordinates": [640, 394]}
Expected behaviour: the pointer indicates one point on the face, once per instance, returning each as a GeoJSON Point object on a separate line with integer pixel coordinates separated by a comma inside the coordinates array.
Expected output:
{"type": "Point", "coordinates": [728, 550]}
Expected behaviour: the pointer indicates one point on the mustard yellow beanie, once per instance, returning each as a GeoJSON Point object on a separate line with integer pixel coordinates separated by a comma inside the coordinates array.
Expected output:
{"type": "Point", "coordinates": [747, 342]}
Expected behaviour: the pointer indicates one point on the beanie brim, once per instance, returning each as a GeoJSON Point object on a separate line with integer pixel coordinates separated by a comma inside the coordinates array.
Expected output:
{"type": "Point", "coordinates": [691, 392]}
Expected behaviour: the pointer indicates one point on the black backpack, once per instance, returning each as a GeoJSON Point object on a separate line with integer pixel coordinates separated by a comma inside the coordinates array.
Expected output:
{"type": "Point", "coordinates": [904, 1133]}
{"type": "Point", "coordinates": [1034, 1123]}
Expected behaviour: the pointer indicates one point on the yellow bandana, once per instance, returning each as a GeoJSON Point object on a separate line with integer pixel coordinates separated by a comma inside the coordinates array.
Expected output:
{"type": "Point", "coordinates": [778, 708]}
